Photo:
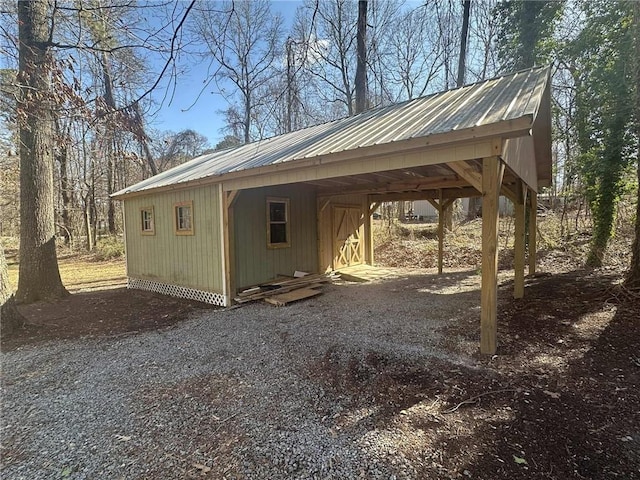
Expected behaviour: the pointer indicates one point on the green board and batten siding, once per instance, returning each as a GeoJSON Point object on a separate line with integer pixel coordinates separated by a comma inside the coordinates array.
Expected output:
{"type": "Point", "coordinates": [255, 262]}
{"type": "Point", "coordinates": [192, 261]}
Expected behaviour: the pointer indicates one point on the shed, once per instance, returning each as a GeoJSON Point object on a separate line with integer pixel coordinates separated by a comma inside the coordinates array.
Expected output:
{"type": "Point", "coordinates": [303, 200]}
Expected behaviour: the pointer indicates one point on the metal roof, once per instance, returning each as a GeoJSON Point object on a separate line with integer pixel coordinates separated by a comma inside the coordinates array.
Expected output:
{"type": "Point", "coordinates": [500, 99]}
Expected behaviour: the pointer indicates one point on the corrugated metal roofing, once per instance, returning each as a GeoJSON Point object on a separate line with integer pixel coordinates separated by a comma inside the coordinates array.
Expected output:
{"type": "Point", "coordinates": [504, 98]}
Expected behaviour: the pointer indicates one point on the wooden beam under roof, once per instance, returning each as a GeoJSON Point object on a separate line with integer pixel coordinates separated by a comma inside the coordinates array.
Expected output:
{"type": "Point", "coordinates": [467, 171]}
{"type": "Point", "coordinates": [428, 183]}
{"type": "Point", "coordinates": [425, 194]}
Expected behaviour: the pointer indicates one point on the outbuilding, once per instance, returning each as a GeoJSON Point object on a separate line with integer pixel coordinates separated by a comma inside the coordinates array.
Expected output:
{"type": "Point", "coordinates": [303, 200]}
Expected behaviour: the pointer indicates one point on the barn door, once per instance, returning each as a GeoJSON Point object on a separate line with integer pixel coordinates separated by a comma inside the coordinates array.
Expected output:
{"type": "Point", "coordinates": [348, 233]}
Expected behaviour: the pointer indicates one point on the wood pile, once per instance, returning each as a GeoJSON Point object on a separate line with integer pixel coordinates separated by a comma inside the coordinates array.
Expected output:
{"type": "Point", "coordinates": [285, 290]}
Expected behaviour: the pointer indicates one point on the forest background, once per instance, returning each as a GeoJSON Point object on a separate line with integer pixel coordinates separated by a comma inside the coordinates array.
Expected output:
{"type": "Point", "coordinates": [83, 81]}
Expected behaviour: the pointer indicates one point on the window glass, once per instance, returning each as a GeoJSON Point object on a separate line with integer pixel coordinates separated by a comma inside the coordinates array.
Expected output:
{"type": "Point", "coordinates": [278, 222]}
{"type": "Point", "coordinates": [146, 220]}
{"type": "Point", "coordinates": [184, 218]}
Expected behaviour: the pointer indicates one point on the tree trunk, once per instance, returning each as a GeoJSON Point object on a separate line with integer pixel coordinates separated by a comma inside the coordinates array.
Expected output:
{"type": "Point", "coordinates": [633, 278]}
{"type": "Point", "coordinates": [39, 275]}
{"type": "Point", "coordinates": [10, 318]}
{"type": "Point", "coordinates": [361, 68]}
{"type": "Point", "coordinates": [62, 157]}
{"type": "Point", "coordinates": [463, 43]}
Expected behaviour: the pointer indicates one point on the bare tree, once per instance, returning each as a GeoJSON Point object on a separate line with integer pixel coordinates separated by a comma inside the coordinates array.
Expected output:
{"type": "Point", "coordinates": [39, 276]}
{"type": "Point", "coordinates": [244, 40]}
{"type": "Point", "coordinates": [334, 50]}
{"type": "Point", "coordinates": [415, 57]}
{"type": "Point", "coordinates": [464, 34]}
{"type": "Point", "coordinates": [361, 69]}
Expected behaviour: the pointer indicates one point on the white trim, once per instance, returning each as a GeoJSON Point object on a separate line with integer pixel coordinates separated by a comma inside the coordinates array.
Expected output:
{"type": "Point", "coordinates": [177, 291]}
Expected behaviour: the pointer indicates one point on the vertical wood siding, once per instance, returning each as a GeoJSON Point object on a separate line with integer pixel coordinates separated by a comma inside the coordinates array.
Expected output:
{"type": "Point", "coordinates": [192, 261]}
{"type": "Point", "coordinates": [255, 263]}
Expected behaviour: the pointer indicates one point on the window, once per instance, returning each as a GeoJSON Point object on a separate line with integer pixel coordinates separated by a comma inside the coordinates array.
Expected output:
{"type": "Point", "coordinates": [147, 224]}
{"type": "Point", "coordinates": [183, 218]}
{"type": "Point", "coordinates": [278, 222]}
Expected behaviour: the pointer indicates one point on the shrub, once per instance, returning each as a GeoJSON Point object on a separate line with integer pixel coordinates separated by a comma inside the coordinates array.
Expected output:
{"type": "Point", "coordinates": [109, 248]}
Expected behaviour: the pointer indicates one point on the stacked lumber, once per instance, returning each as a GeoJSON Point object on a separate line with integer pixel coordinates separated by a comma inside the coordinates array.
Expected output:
{"type": "Point", "coordinates": [285, 290]}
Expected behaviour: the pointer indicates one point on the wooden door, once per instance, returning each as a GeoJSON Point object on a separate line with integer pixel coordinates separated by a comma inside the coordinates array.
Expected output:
{"type": "Point", "coordinates": [348, 233]}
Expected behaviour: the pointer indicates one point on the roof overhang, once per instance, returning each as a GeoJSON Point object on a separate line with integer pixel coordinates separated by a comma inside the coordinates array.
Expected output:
{"type": "Point", "coordinates": [394, 149]}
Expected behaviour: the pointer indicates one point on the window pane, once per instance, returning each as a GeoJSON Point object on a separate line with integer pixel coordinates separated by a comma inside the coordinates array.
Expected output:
{"type": "Point", "coordinates": [278, 233]}
{"type": "Point", "coordinates": [277, 212]}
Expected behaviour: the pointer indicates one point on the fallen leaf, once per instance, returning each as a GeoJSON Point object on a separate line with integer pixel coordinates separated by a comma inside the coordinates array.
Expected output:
{"type": "Point", "coordinates": [519, 460]}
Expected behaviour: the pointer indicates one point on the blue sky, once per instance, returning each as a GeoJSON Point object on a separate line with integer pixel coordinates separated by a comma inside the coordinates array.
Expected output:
{"type": "Point", "coordinates": [188, 108]}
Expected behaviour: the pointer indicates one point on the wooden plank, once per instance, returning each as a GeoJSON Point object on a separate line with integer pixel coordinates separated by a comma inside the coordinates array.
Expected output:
{"type": "Point", "coordinates": [427, 194]}
{"type": "Point", "coordinates": [533, 218]}
{"type": "Point", "coordinates": [467, 172]}
{"type": "Point", "coordinates": [283, 285]}
{"type": "Point", "coordinates": [228, 264]}
{"type": "Point", "coordinates": [441, 220]}
{"type": "Point", "coordinates": [293, 296]}
{"type": "Point", "coordinates": [492, 171]}
{"type": "Point", "coordinates": [519, 242]}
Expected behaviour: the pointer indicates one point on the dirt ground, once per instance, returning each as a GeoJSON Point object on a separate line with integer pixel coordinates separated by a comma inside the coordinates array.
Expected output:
{"type": "Point", "coordinates": [97, 313]}
{"type": "Point", "coordinates": [560, 400]}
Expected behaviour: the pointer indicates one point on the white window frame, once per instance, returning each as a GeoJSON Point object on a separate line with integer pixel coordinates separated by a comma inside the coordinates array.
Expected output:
{"type": "Point", "coordinates": [177, 208]}
{"type": "Point", "coordinates": [149, 229]}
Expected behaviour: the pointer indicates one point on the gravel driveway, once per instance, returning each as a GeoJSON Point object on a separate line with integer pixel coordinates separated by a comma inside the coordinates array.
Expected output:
{"type": "Point", "coordinates": [253, 392]}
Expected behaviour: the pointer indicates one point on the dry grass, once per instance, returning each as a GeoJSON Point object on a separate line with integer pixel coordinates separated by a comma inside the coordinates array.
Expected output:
{"type": "Point", "coordinates": [82, 272]}
{"type": "Point", "coordinates": [416, 244]}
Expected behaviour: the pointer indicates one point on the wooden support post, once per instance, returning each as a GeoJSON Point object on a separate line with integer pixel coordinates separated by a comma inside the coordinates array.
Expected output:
{"type": "Point", "coordinates": [441, 220]}
{"type": "Point", "coordinates": [492, 172]}
{"type": "Point", "coordinates": [533, 244]}
{"type": "Point", "coordinates": [519, 207]}
{"type": "Point", "coordinates": [368, 230]}
{"type": "Point", "coordinates": [228, 200]}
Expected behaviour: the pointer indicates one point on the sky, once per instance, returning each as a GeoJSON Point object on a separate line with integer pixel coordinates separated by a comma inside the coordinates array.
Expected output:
{"type": "Point", "coordinates": [188, 106]}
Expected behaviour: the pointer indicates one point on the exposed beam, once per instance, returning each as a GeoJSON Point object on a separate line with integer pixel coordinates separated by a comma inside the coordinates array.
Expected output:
{"type": "Point", "coordinates": [453, 193]}
{"type": "Point", "coordinates": [413, 186]}
{"type": "Point", "coordinates": [362, 163]}
{"type": "Point", "coordinates": [468, 172]}
{"type": "Point", "coordinates": [492, 172]}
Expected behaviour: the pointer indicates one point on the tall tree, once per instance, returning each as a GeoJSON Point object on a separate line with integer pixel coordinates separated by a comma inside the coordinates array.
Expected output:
{"type": "Point", "coordinates": [39, 275]}
{"type": "Point", "coordinates": [10, 318]}
{"type": "Point", "coordinates": [361, 69]}
{"type": "Point", "coordinates": [244, 40]}
{"type": "Point", "coordinates": [415, 57]}
{"type": "Point", "coordinates": [605, 89]}
{"type": "Point", "coordinates": [633, 277]}
{"type": "Point", "coordinates": [526, 31]}
{"type": "Point", "coordinates": [334, 27]}
{"type": "Point", "coordinates": [464, 35]}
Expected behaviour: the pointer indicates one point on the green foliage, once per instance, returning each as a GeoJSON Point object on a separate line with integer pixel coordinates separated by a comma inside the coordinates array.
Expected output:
{"type": "Point", "coordinates": [109, 248]}
{"type": "Point", "coordinates": [604, 118]}
{"type": "Point", "coordinates": [525, 37]}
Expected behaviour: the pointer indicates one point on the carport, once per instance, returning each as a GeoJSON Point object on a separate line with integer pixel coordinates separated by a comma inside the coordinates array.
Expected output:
{"type": "Point", "coordinates": [483, 140]}
{"type": "Point", "coordinates": [489, 139]}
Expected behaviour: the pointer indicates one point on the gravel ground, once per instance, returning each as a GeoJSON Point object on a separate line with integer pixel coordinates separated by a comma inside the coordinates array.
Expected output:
{"type": "Point", "coordinates": [229, 393]}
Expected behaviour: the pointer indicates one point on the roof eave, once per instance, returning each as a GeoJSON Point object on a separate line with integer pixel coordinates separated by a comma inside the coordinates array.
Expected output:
{"type": "Point", "coordinates": [504, 129]}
